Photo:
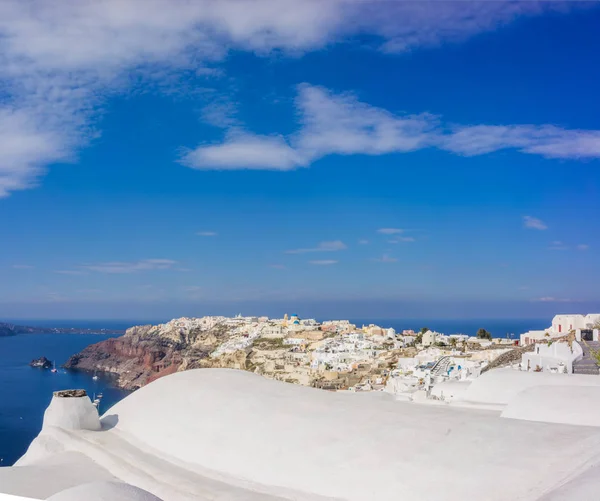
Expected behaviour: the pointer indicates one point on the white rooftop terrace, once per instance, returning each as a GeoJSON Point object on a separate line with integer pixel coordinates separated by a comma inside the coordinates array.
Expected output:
{"type": "Point", "coordinates": [224, 434]}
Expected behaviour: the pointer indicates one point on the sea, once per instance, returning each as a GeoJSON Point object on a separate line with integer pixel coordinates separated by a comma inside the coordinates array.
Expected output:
{"type": "Point", "coordinates": [25, 392]}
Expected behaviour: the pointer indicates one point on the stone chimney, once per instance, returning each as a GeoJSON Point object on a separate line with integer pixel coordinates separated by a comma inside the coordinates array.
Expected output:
{"type": "Point", "coordinates": [72, 410]}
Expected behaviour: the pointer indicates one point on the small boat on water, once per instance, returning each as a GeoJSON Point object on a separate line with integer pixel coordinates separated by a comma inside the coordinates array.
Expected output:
{"type": "Point", "coordinates": [96, 400]}
{"type": "Point", "coordinates": [95, 377]}
{"type": "Point", "coordinates": [53, 367]}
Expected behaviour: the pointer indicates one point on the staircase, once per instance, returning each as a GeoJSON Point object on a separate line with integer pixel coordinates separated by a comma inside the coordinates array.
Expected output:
{"type": "Point", "coordinates": [441, 366]}
{"type": "Point", "coordinates": [587, 365]}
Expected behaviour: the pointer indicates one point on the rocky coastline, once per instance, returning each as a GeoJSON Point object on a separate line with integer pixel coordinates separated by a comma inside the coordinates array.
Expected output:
{"type": "Point", "coordinates": [145, 353]}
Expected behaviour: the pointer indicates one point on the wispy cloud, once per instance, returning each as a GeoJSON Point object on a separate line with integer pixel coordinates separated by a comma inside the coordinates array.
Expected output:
{"type": "Point", "coordinates": [385, 259]}
{"type": "Point", "coordinates": [22, 267]}
{"type": "Point", "coordinates": [363, 242]}
{"type": "Point", "coordinates": [220, 112]}
{"type": "Point", "coordinates": [583, 247]}
{"type": "Point", "coordinates": [60, 59]}
{"type": "Point", "coordinates": [339, 124]}
{"type": "Point", "coordinates": [131, 267]}
{"type": "Point", "coordinates": [323, 262]}
{"type": "Point", "coordinates": [550, 299]}
{"type": "Point", "coordinates": [206, 234]}
{"type": "Point", "coordinates": [89, 291]}
{"type": "Point", "coordinates": [390, 231]}
{"type": "Point", "coordinates": [534, 223]}
{"type": "Point", "coordinates": [558, 245]}
{"type": "Point", "coordinates": [193, 291]}
{"type": "Point", "coordinates": [71, 272]}
{"type": "Point", "coordinates": [401, 239]}
{"type": "Point", "coordinates": [332, 246]}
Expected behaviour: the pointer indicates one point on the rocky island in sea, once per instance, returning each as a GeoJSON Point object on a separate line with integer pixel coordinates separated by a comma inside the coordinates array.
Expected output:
{"type": "Point", "coordinates": [41, 363]}
{"type": "Point", "coordinates": [333, 354]}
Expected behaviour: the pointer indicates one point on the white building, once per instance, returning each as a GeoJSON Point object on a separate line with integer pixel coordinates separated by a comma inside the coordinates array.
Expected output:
{"type": "Point", "coordinates": [273, 331]}
{"type": "Point", "coordinates": [429, 338]}
{"type": "Point", "coordinates": [552, 357]}
{"type": "Point", "coordinates": [561, 325]}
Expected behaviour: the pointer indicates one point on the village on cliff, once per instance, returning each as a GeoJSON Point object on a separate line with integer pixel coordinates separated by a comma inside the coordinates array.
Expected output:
{"type": "Point", "coordinates": [338, 355]}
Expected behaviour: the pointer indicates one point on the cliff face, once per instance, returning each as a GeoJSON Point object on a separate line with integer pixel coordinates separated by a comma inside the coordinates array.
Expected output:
{"type": "Point", "coordinates": [148, 352]}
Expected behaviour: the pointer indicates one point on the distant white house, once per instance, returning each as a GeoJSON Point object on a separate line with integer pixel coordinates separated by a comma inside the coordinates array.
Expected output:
{"type": "Point", "coordinates": [429, 338]}
{"type": "Point", "coordinates": [273, 331]}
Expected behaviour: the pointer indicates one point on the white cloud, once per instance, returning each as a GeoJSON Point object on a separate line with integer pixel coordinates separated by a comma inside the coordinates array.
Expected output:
{"type": "Point", "coordinates": [244, 151]}
{"type": "Point", "coordinates": [363, 242]}
{"type": "Point", "coordinates": [332, 246]}
{"type": "Point", "coordinates": [70, 272]}
{"type": "Point", "coordinates": [22, 267]}
{"type": "Point", "coordinates": [545, 140]}
{"type": "Point", "coordinates": [206, 234]}
{"type": "Point", "coordinates": [131, 267]}
{"type": "Point", "coordinates": [583, 247]}
{"type": "Point", "coordinates": [323, 262]}
{"type": "Point", "coordinates": [534, 223]}
{"type": "Point", "coordinates": [61, 59]}
{"type": "Point", "coordinates": [390, 231]}
{"type": "Point", "coordinates": [385, 259]}
{"type": "Point", "coordinates": [220, 112]}
{"type": "Point", "coordinates": [342, 125]}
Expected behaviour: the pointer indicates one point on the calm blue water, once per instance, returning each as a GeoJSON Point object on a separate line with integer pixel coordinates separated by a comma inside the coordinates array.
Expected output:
{"type": "Point", "coordinates": [497, 327]}
{"type": "Point", "coordinates": [25, 392]}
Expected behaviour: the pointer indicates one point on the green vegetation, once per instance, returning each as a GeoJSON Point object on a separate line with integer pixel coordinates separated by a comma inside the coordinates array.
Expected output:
{"type": "Point", "coordinates": [596, 356]}
{"type": "Point", "coordinates": [264, 343]}
{"type": "Point", "coordinates": [483, 334]}
{"type": "Point", "coordinates": [424, 330]}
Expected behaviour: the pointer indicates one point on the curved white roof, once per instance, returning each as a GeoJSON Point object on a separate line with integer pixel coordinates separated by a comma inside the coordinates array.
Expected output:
{"type": "Point", "coordinates": [291, 438]}
{"type": "Point", "coordinates": [104, 491]}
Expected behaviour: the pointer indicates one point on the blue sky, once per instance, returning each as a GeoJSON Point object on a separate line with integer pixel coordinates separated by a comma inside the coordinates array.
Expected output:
{"type": "Point", "coordinates": [388, 159]}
